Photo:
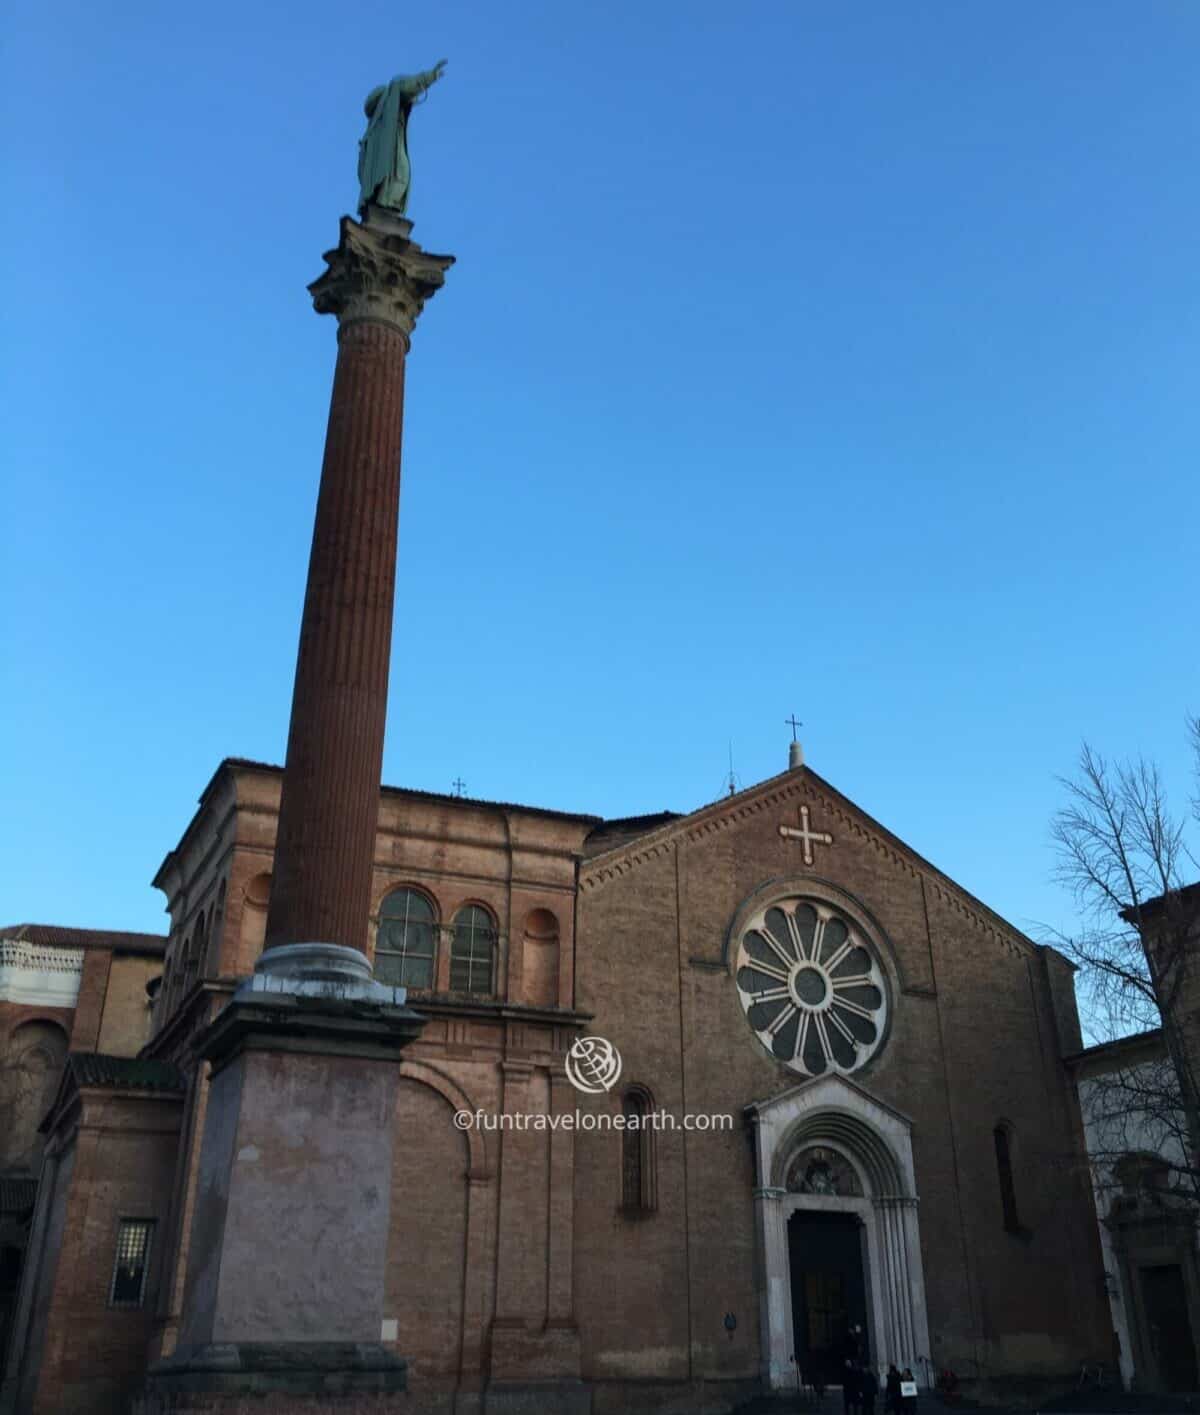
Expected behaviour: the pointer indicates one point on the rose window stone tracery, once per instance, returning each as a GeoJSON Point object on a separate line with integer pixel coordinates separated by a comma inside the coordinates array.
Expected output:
{"type": "Point", "coordinates": [811, 986]}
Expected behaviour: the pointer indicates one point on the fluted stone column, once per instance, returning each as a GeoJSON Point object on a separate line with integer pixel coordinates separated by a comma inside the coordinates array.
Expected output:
{"type": "Point", "coordinates": [377, 283]}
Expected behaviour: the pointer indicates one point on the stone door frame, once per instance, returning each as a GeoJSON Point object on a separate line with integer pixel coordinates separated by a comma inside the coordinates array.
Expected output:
{"type": "Point", "coordinates": [1166, 1238]}
{"type": "Point", "coordinates": [877, 1141]}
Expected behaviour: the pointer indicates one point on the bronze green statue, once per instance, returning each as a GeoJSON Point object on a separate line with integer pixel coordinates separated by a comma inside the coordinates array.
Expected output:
{"type": "Point", "coordinates": [384, 175]}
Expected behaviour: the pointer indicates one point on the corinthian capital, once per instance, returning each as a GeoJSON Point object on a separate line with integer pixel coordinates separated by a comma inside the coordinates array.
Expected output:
{"type": "Point", "coordinates": [378, 273]}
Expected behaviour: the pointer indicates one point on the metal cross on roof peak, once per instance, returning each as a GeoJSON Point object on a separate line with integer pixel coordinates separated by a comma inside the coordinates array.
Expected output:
{"type": "Point", "coordinates": [793, 722]}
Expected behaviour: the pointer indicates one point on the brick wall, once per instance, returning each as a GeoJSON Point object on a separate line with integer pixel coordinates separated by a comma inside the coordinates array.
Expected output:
{"type": "Point", "coordinates": [974, 1040]}
{"type": "Point", "coordinates": [89, 1006]}
{"type": "Point", "coordinates": [121, 1157]}
{"type": "Point", "coordinates": [125, 1018]}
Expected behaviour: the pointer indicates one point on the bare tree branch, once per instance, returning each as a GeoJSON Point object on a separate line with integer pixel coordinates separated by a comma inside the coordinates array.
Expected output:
{"type": "Point", "coordinates": [1123, 856]}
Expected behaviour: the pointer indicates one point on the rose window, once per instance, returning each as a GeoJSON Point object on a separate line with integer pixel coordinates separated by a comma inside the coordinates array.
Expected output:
{"type": "Point", "coordinates": [811, 987]}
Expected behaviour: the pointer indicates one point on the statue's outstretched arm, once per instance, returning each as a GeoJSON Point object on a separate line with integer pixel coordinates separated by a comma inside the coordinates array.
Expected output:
{"type": "Point", "coordinates": [429, 77]}
{"type": "Point", "coordinates": [414, 85]}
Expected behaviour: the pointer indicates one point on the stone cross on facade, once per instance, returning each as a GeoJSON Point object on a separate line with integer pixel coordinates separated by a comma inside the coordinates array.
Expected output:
{"type": "Point", "coordinates": [807, 837]}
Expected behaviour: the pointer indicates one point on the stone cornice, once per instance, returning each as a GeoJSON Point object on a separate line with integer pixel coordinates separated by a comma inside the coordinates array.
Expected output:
{"type": "Point", "coordinates": [754, 1110]}
{"type": "Point", "coordinates": [1118, 1055]}
{"type": "Point", "coordinates": [39, 975]}
{"type": "Point", "coordinates": [377, 273]}
{"type": "Point", "coordinates": [708, 820]}
{"type": "Point", "coordinates": [450, 1005]}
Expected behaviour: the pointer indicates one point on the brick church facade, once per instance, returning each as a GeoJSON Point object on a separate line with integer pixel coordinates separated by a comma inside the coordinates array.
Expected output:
{"type": "Point", "coordinates": [905, 1154]}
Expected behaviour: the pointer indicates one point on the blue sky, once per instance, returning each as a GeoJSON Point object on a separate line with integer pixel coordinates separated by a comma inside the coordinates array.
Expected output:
{"type": "Point", "coordinates": [836, 359]}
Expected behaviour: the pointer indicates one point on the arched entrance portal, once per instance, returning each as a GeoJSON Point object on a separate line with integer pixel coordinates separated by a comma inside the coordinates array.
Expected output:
{"type": "Point", "coordinates": [839, 1246]}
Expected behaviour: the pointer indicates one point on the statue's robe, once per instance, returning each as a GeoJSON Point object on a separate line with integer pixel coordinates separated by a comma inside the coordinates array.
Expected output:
{"type": "Point", "coordinates": [383, 169]}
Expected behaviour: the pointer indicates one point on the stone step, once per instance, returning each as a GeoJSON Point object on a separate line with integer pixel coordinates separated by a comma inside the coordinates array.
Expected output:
{"type": "Point", "coordinates": [805, 1402]}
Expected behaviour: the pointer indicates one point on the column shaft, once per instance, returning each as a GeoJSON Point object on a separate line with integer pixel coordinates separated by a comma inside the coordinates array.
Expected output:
{"type": "Point", "coordinates": [325, 846]}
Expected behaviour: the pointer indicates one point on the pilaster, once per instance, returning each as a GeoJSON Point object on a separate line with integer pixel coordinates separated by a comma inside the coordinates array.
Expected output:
{"type": "Point", "coordinates": [561, 1285]}
{"type": "Point", "coordinates": [514, 1281]}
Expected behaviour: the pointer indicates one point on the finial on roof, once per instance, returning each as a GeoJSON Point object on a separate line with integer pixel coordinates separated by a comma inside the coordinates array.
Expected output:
{"type": "Point", "coordinates": [795, 751]}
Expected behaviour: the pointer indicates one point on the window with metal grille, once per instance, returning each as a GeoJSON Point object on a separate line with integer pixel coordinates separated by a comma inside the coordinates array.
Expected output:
{"type": "Point", "coordinates": [132, 1262]}
{"type": "Point", "coordinates": [406, 942]}
{"type": "Point", "coordinates": [472, 951]}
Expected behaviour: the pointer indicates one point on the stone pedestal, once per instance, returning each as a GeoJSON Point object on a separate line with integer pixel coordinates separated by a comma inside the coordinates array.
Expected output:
{"type": "Point", "coordinates": [285, 1287]}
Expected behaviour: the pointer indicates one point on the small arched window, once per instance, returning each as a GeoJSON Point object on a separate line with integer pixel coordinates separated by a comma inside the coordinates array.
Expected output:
{"type": "Point", "coordinates": [256, 900]}
{"type": "Point", "coordinates": [406, 942]}
{"type": "Point", "coordinates": [181, 973]}
{"type": "Point", "coordinates": [32, 1063]}
{"type": "Point", "coordinates": [1002, 1138]}
{"type": "Point", "coordinates": [539, 959]}
{"type": "Point", "coordinates": [195, 961]}
{"type": "Point", "coordinates": [637, 1152]}
{"type": "Point", "coordinates": [216, 923]}
{"type": "Point", "coordinates": [472, 950]}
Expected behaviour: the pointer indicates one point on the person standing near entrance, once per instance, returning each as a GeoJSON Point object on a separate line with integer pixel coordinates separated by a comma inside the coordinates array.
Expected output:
{"type": "Point", "coordinates": [851, 1388]}
{"type": "Point", "coordinates": [891, 1401]}
{"type": "Point", "coordinates": [868, 1389]}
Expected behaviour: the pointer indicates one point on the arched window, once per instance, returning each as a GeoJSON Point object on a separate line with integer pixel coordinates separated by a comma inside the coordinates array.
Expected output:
{"type": "Point", "coordinates": [539, 954]}
{"type": "Point", "coordinates": [179, 974]}
{"type": "Point", "coordinates": [637, 1152]}
{"type": "Point", "coordinates": [405, 944]}
{"type": "Point", "coordinates": [161, 998]}
{"type": "Point", "coordinates": [32, 1064]}
{"type": "Point", "coordinates": [195, 959]}
{"type": "Point", "coordinates": [472, 950]}
{"type": "Point", "coordinates": [1002, 1137]}
{"type": "Point", "coordinates": [256, 900]}
{"type": "Point", "coordinates": [212, 964]}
